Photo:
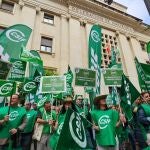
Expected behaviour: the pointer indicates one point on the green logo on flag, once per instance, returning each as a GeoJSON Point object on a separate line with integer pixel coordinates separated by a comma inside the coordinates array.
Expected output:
{"type": "Point", "coordinates": [29, 86]}
{"type": "Point", "coordinates": [12, 39]}
{"type": "Point", "coordinates": [77, 130]}
{"type": "Point", "coordinates": [60, 128]}
{"type": "Point", "coordinates": [42, 101]}
{"type": "Point", "coordinates": [95, 54]}
{"type": "Point", "coordinates": [15, 35]}
{"type": "Point", "coordinates": [95, 36]}
{"type": "Point", "coordinates": [6, 88]}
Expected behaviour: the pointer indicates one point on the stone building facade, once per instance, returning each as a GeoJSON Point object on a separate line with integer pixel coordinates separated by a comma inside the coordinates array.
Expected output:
{"type": "Point", "coordinates": [60, 32]}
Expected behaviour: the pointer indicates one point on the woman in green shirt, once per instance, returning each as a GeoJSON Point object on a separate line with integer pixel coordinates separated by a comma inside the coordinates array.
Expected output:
{"type": "Point", "coordinates": [105, 121]}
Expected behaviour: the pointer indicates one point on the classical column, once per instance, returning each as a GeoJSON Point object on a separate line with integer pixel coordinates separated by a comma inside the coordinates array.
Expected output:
{"type": "Point", "coordinates": [64, 43]}
{"type": "Point", "coordinates": [76, 59]}
{"type": "Point", "coordinates": [128, 59]}
{"type": "Point", "coordinates": [36, 30]}
{"type": "Point", "coordinates": [27, 17]}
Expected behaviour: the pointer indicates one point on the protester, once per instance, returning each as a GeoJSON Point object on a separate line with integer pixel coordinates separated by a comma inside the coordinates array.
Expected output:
{"type": "Point", "coordinates": [105, 122]}
{"type": "Point", "coordinates": [34, 106]}
{"type": "Point", "coordinates": [12, 122]}
{"type": "Point", "coordinates": [143, 119]}
{"type": "Point", "coordinates": [67, 103]}
{"type": "Point", "coordinates": [82, 107]}
{"type": "Point", "coordinates": [47, 118]}
{"type": "Point", "coordinates": [26, 135]}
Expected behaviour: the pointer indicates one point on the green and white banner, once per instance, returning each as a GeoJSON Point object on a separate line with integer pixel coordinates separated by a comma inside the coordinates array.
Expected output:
{"type": "Point", "coordinates": [112, 77]}
{"type": "Point", "coordinates": [12, 40]}
{"type": "Point", "coordinates": [94, 54]}
{"type": "Point", "coordinates": [29, 86]}
{"type": "Point", "coordinates": [69, 80]}
{"type": "Point", "coordinates": [4, 69]}
{"type": "Point", "coordinates": [148, 50]}
{"type": "Point", "coordinates": [128, 94]}
{"type": "Point", "coordinates": [41, 99]}
{"type": "Point", "coordinates": [143, 71]}
{"type": "Point", "coordinates": [73, 133]}
{"type": "Point", "coordinates": [27, 56]}
{"type": "Point", "coordinates": [18, 69]}
{"type": "Point", "coordinates": [52, 84]}
{"type": "Point", "coordinates": [85, 77]}
{"type": "Point", "coordinates": [33, 67]}
{"type": "Point", "coordinates": [7, 88]}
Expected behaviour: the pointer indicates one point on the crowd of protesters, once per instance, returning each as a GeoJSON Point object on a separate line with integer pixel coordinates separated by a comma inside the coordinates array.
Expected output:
{"type": "Point", "coordinates": [110, 130]}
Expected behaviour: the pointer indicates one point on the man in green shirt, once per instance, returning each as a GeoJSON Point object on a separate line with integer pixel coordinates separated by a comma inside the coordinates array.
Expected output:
{"type": "Point", "coordinates": [12, 121]}
{"type": "Point", "coordinates": [26, 135]}
{"type": "Point", "coordinates": [46, 117]}
{"type": "Point", "coordinates": [105, 121]}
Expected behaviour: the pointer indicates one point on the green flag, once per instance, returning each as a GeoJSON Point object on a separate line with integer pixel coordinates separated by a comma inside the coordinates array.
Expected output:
{"type": "Point", "coordinates": [7, 88]}
{"type": "Point", "coordinates": [41, 99]}
{"type": "Point", "coordinates": [69, 80]}
{"type": "Point", "coordinates": [94, 54]}
{"type": "Point", "coordinates": [12, 40]}
{"type": "Point", "coordinates": [29, 86]}
{"type": "Point", "coordinates": [148, 50]}
{"type": "Point", "coordinates": [37, 76]}
{"type": "Point", "coordinates": [73, 133]}
{"type": "Point", "coordinates": [27, 56]}
{"type": "Point", "coordinates": [115, 96]}
{"type": "Point", "coordinates": [143, 71]}
{"type": "Point", "coordinates": [113, 58]}
{"type": "Point", "coordinates": [128, 94]}
{"type": "Point", "coordinates": [34, 67]}
{"type": "Point", "coordinates": [18, 69]}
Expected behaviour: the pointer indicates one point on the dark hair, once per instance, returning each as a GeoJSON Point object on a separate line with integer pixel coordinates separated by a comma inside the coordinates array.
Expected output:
{"type": "Point", "coordinates": [47, 102]}
{"type": "Point", "coordinates": [63, 110]}
{"type": "Point", "coordinates": [143, 93]}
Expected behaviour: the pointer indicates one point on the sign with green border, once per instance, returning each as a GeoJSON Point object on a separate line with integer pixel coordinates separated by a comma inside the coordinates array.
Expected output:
{"type": "Point", "coordinates": [18, 69]}
{"type": "Point", "coordinates": [53, 84]}
{"type": "Point", "coordinates": [85, 77]}
{"type": "Point", "coordinates": [112, 77]}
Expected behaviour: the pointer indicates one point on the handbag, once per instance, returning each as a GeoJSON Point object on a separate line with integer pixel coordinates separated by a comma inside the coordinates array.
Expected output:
{"type": "Point", "coordinates": [38, 128]}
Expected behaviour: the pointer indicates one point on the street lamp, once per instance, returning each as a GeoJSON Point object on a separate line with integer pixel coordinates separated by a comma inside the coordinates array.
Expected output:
{"type": "Point", "coordinates": [108, 1]}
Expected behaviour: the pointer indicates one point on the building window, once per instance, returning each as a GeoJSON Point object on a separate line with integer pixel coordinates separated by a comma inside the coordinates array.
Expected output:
{"type": "Point", "coordinates": [8, 6]}
{"type": "Point", "coordinates": [48, 18]}
{"type": "Point", "coordinates": [143, 45]}
{"type": "Point", "coordinates": [50, 71]}
{"type": "Point", "coordinates": [109, 42]}
{"type": "Point", "coordinates": [46, 44]}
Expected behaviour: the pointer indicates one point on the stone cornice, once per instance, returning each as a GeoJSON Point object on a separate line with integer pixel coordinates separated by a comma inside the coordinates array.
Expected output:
{"type": "Point", "coordinates": [94, 18]}
{"type": "Point", "coordinates": [44, 6]}
{"type": "Point", "coordinates": [83, 9]}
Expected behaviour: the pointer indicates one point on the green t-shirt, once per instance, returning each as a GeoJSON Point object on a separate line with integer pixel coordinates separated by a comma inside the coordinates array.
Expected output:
{"type": "Point", "coordinates": [31, 118]}
{"type": "Point", "coordinates": [16, 116]}
{"type": "Point", "coordinates": [47, 116]}
{"type": "Point", "coordinates": [106, 120]}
